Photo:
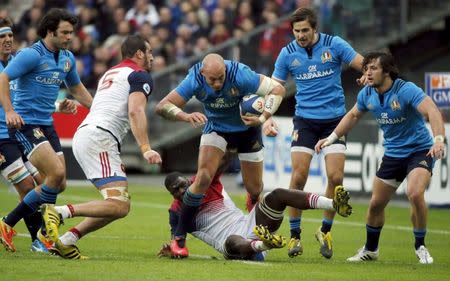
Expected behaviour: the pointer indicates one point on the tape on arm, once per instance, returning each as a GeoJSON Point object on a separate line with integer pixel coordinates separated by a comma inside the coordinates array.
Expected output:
{"type": "Point", "coordinates": [170, 111]}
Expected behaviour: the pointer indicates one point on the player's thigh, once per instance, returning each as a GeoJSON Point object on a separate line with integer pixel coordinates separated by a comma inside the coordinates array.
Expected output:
{"type": "Point", "coordinates": [11, 164]}
{"type": "Point", "coordinates": [381, 194]}
{"type": "Point", "coordinates": [419, 171]}
{"type": "Point", "coordinates": [97, 153]}
{"type": "Point", "coordinates": [212, 149]}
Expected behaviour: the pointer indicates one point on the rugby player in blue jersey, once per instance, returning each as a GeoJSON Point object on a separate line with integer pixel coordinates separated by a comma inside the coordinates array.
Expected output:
{"type": "Point", "coordinates": [40, 70]}
{"type": "Point", "coordinates": [314, 61]}
{"type": "Point", "coordinates": [220, 85]}
{"type": "Point", "coordinates": [400, 109]}
{"type": "Point", "coordinates": [14, 166]}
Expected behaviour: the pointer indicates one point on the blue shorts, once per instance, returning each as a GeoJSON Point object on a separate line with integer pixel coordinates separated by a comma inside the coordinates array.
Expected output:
{"type": "Point", "coordinates": [245, 141]}
{"type": "Point", "coordinates": [397, 169]}
{"type": "Point", "coordinates": [307, 132]}
{"type": "Point", "coordinates": [9, 153]}
{"type": "Point", "coordinates": [30, 136]}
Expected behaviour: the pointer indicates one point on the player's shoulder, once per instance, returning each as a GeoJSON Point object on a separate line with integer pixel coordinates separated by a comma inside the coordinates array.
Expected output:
{"type": "Point", "coordinates": [290, 48]}
{"type": "Point", "coordinates": [328, 40]}
{"type": "Point", "coordinates": [139, 75]}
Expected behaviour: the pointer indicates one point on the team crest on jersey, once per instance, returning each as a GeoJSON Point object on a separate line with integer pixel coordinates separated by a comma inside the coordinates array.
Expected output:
{"type": "Point", "coordinates": [67, 66]}
{"type": "Point", "coordinates": [395, 105]}
{"type": "Point", "coordinates": [37, 132]}
{"type": "Point", "coordinates": [2, 159]}
{"type": "Point", "coordinates": [146, 88]}
{"type": "Point", "coordinates": [234, 92]}
{"type": "Point", "coordinates": [326, 56]}
{"type": "Point", "coordinates": [370, 106]}
{"type": "Point", "coordinates": [294, 135]}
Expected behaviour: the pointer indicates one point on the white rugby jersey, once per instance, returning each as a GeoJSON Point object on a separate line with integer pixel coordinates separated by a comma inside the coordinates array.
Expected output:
{"type": "Point", "coordinates": [109, 108]}
{"type": "Point", "coordinates": [219, 219]}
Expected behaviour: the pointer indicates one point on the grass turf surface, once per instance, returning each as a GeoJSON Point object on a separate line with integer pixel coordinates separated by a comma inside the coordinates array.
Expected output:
{"type": "Point", "coordinates": [126, 249]}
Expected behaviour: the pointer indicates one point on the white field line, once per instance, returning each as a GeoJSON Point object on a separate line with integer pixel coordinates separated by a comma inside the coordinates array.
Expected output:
{"type": "Point", "coordinates": [162, 206]}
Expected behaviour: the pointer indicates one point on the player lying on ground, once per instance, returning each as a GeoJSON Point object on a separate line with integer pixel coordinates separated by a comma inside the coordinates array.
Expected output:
{"type": "Point", "coordinates": [222, 225]}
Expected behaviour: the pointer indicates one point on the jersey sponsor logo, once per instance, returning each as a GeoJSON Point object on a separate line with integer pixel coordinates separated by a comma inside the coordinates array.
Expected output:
{"type": "Point", "coordinates": [395, 105]}
{"type": "Point", "coordinates": [295, 63]}
{"type": "Point", "coordinates": [13, 85]}
{"type": "Point", "coordinates": [220, 103]}
{"type": "Point", "coordinates": [314, 74]}
{"type": "Point", "coordinates": [326, 56]}
{"type": "Point", "coordinates": [2, 159]}
{"type": "Point", "coordinates": [54, 80]}
{"type": "Point", "coordinates": [146, 88]}
{"type": "Point", "coordinates": [385, 120]}
{"type": "Point", "coordinates": [37, 132]}
{"type": "Point", "coordinates": [67, 66]}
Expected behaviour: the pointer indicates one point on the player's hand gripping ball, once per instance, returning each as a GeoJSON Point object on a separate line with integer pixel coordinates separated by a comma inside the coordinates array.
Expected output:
{"type": "Point", "coordinates": [252, 105]}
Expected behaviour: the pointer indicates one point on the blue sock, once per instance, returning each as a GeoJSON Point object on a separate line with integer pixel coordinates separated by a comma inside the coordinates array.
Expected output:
{"type": "Point", "coordinates": [419, 234]}
{"type": "Point", "coordinates": [48, 194]}
{"type": "Point", "coordinates": [373, 236]}
{"type": "Point", "coordinates": [186, 220]}
{"type": "Point", "coordinates": [21, 211]}
{"type": "Point", "coordinates": [326, 225]}
{"type": "Point", "coordinates": [294, 224]}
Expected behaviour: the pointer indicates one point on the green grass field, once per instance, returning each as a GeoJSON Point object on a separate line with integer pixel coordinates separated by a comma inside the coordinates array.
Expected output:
{"type": "Point", "coordinates": [126, 250]}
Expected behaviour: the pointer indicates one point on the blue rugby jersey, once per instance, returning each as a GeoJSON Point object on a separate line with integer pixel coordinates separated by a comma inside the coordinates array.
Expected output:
{"type": "Point", "coordinates": [221, 107]}
{"type": "Point", "coordinates": [403, 126]}
{"type": "Point", "coordinates": [12, 88]}
{"type": "Point", "coordinates": [40, 73]}
{"type": "Point", "coordinates": [317, 75]}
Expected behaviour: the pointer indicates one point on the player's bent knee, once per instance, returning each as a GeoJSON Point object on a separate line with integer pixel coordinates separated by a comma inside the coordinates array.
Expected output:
{"type": "Point", "coordinates": [270, 206]}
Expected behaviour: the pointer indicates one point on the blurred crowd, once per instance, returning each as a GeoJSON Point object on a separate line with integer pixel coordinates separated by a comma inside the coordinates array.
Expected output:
{"type": "Point", "coordinates": [176, 29]}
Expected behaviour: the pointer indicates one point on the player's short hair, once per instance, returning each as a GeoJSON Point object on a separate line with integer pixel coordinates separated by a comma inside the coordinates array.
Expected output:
{"type": "Point", "coordinates": [132, 44]}
{"type": "Point", "coordinates": [302, 14]}
{"type": "Point", "coordinates": [171, 181]}
{"type": "Point", "coordinates": [51, 20]}
{"type": "Point", "coordinates": [6, 22]}
{"type": "Point", "coordinates": [387, 63]}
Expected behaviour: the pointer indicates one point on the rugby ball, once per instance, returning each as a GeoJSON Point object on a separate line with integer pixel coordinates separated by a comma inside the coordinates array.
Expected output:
{"type": "Point", "coordinates": [252, 105]}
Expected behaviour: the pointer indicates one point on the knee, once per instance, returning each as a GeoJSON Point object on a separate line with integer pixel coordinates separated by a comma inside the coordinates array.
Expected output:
{"type": "Point", "coordinates": [56, 177]}
{"type": "Point", "coordinates": [335, 178]}
{"type": "Point", "coordinates": [121, 208]}
{"type": "Point", "coordinates": [375, 207]}
{"type": "Point", "coordinates": [299, 179]}
{"type": "Point", "coordinates": [203, 179]}
{"type": "Point", "coordinates": [415, 197]}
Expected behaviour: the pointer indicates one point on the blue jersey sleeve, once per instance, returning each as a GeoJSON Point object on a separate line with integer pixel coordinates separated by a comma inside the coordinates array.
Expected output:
{"type": "Point", "coordinates": [281, 70]}
{"type": "Point", "coordinates": [414, 94]}
{"type": "Point", "coordinates": [72, 78]}
{"type": "Point", "coordinates": [247, 80]}
{"type": "Point", "coordinates": [361, 100]}
{"type": "Point", "coordinates": [344, 50]}
{"type": "Point", "coordinates": [191, 83]}
{"type": "Point", "coordinates": [140, 81]}
{"type": "Point", "coordinates": [22, 63]}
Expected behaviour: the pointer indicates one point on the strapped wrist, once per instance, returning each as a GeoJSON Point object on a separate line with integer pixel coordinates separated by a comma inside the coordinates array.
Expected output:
{"type": "Point", "coordinates": [57, 104]}
{"type": "Point", "coordinates": [439, 138]}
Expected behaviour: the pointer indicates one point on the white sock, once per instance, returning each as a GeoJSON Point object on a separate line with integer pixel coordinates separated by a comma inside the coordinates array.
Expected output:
{"type": "Point", "coordinates": [69, 238]}
{"type": "Point", "coordinates": [64, 211]}
{"type": "Point", "coordinates": [320, 202]}
{"type": "Point", "coordinates": [258, 246]}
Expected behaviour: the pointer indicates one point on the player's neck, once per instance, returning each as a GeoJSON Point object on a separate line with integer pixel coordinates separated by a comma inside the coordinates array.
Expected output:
{"type": "Point", "coordinates": [4, 58]}
{"type": "Point", "coordinates": [48, 44]}
{"type": "Point", "coordinates": [385, 86]}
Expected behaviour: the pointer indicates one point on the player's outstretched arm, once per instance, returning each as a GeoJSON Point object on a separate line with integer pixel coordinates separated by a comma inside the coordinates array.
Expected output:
{"type": "Point", "coordinates": [345, 125]}
{"type": "Point", "coordinates": [431, 112]}
{"type": "Point", "coordinates": [137, 102]}
{"type": "Point", "coordinates": [170, 107]}
{"type": "Point", "coordinates": [81, 94]}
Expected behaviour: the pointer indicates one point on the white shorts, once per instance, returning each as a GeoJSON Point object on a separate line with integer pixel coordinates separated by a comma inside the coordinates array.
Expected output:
{"type": "Point", "coordinates": [97, 153]}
